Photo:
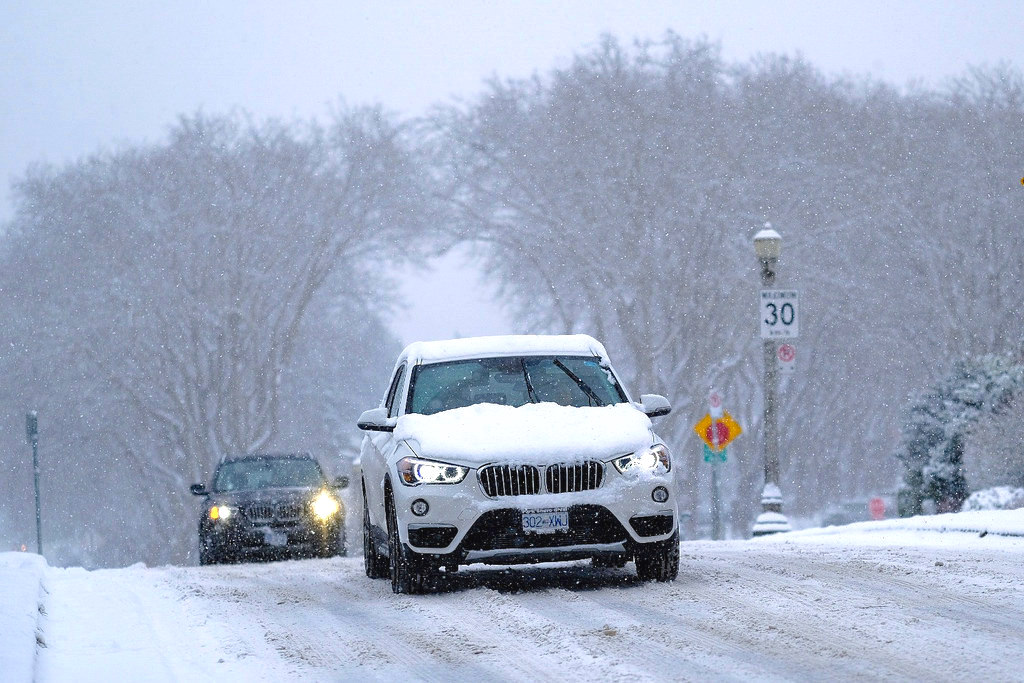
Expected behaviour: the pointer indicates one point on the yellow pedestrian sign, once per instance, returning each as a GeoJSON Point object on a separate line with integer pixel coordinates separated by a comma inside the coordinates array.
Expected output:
{"type": "Point", "coordinates": [725, 428]}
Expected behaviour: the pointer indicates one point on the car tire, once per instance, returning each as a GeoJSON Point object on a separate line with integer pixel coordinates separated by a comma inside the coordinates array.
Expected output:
{"type": "Point", "coordinates": [332, 545]}
{"type": "Point", "coordinates": [376, 566]}
{"type": "Point", "coordinates": [409, 572]}
{"type": "Point", "coordinates": [658, 561]}
{"type": "Point", "coordinates": [206, 554]}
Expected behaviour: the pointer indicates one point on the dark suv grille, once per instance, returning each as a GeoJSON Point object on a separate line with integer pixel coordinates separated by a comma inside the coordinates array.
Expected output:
{"type": "Point", "coordinates": [260, 512]}
{"type": "Point", "coordinates": [577, 476]}
{"type": "Point", "coordinates": [268, 512]}
{"type": "Point", "coordinates": [510, 480]}
{"type": "Point", "coordinates": [289, 512]}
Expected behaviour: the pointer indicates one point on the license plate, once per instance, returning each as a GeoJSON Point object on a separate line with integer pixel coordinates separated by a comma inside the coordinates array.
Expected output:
{"type": "Point", "coordinates": [275, 538]}
{"type": "Point", "coordinates": [546, 521]}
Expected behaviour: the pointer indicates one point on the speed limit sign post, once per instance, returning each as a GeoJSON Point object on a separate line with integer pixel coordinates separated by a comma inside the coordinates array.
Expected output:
{"type": "Point", "coordinates": [779, 314]}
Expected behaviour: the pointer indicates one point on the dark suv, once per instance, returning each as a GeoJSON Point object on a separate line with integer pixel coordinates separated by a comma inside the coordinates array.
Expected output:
{"type": "Point", "coordinates": [268, 506]}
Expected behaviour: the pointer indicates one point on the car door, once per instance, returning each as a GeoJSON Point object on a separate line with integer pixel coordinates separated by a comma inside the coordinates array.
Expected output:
{"type": "Point", "coordinates": [377, 446]}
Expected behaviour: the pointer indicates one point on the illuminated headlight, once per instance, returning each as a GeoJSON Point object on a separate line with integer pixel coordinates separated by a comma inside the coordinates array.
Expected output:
{"type": "Point", "coordinates": [655, 458]}
{"type": "Point", "coordinates": [222, 512]}
{"type": "Point", "coordinates": [325, 506]}
{"type": "Point", "coordinates": [416, 471]}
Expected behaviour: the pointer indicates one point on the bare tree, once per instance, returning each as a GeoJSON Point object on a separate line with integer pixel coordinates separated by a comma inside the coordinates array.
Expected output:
{"type": "Point", "coordinates": [182, 276]}
{"type": "Point", "coordinates": [618, 196]}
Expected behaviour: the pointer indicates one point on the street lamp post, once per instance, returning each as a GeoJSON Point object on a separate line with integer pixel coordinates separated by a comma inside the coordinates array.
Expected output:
{"type": "Point", "coordinates": [768, 246]}
{"type": "Point", "coordinates": [32, 432]}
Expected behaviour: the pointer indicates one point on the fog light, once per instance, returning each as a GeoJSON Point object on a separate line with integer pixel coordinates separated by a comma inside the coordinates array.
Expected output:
{"type": "Point", "coordinates": [659, 494]}
{"type": "Point", "coordinates": [420, 507]}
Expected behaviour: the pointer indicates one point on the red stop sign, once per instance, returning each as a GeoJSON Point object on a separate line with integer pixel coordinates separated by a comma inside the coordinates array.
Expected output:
{"type": "Point", "coordinates": [721, 428]}
{"type": "Point", "coordinates": [876, 506]}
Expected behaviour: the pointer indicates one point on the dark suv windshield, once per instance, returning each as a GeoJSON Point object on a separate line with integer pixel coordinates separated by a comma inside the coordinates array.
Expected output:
{"type": "Point", "coordinates": [513, 381]}
{"type": "Point", "coordinates": [265, 473]}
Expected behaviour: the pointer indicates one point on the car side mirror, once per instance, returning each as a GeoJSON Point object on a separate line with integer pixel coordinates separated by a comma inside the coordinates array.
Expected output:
{"type": "Point", "coordinates": [340, 482]}
{"type": "Point", "coordinates": [376, 420]}
{"type": "Point", "coordinates": [654, 405]}
{"type": "Point", "coordinates": [198, 490]}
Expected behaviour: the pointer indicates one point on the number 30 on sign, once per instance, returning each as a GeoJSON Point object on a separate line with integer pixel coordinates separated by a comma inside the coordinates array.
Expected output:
{"type": "Point", "coordinates": [779, 314]}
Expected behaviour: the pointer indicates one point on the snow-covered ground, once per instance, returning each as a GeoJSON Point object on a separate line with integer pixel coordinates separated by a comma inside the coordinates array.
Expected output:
{"type": "Point", "coordinates": [936, 598]}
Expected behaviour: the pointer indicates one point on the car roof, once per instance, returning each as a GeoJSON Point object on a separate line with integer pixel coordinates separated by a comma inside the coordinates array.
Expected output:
{"type": "Point", "coordinates": [504, 345]}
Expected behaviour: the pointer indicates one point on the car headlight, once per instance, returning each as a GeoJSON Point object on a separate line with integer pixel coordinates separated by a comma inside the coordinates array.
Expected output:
{"type": "Point", "coordinates": [416, 471]}
{"type": "Point", "coordinates": [648, 460]}
{"type": "Point", "coordinates": [325, 506]}
{"type": "Point", "coordinates": [222, 512]}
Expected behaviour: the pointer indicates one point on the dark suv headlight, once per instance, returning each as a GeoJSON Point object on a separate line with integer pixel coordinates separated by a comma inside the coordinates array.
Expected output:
{"type": "Point", "coordinates": [222, 513]}
{"type": "Point", "coordinates": [324, 506]}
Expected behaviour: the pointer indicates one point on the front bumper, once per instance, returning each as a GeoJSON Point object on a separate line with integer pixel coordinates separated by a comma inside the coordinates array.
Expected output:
{"type": "Point", "coordinates": [466, 525]}
{"type": "Point", "coordinates": [244, 539]}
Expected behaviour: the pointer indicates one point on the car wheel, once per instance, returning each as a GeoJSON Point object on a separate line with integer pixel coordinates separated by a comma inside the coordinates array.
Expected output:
{"type": "Point", "coordinates": [206, 554]}
{"type": "Point", "coordinates": [658, 561]}
{"type": "Point", "coordinates": [376, 566]}
{"type": "Point", "coordinates": [331, 546]}
{"type": "Point", "coordinates": [408, 570]}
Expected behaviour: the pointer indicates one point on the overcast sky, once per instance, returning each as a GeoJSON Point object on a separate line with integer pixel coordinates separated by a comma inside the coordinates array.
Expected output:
{"type": "Point", "coordinates": [76, 77]}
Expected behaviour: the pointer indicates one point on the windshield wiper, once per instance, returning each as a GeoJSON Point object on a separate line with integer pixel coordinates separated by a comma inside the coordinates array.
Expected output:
{"type": "Point", "coordinates": [593, 397]}
{"type": "Point", "coordinates": [530, 391]}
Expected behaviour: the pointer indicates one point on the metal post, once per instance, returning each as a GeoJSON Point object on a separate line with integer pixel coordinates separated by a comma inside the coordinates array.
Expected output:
{"type": "Point", "coordinates": [716, 501]}
{"type": "Point", "coordinates": [771, 519]}
{"type": "Point", "coordinates": [32, 429]}
{"type": "Point", "coordinates": [716, 498]}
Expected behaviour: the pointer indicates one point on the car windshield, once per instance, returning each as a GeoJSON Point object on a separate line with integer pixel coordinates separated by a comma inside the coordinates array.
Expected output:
{"type": "Point", "coordinates": [513, 381]}
{"type": "Point", "coordinates": [265, 473]}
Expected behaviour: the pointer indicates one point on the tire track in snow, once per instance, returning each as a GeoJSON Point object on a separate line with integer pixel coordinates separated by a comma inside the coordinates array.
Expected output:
{"type": "Point", "coordinates": [320, 617]}
{"type": "Point", "coordinates": [738, 611]}
{"type": "Point", "coordinates": [792, 611]}
{"type": "Point", "coordinates": [865, 647]}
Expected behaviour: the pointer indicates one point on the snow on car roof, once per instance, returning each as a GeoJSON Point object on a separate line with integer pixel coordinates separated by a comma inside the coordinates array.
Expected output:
{"type": "Point", "coordinates": [505, 345]}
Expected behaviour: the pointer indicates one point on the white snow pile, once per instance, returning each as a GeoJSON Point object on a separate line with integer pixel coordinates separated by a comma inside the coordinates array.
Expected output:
{"type": "Point", "coordinates": [956, 528]}
{"type": "Point", "coordinates": [20, 586]}
{"type": "Point", "coordinates": [486, 431]}
{"type": "Point", "coordinates": [995, 498]}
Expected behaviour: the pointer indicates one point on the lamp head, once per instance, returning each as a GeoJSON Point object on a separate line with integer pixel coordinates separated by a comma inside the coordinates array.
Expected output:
{"type": "Point", "coordinates": [768, 244]}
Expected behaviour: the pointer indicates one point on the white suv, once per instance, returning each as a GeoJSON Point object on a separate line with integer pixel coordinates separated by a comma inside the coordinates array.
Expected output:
{"type": "Point", "coordinates": [513, 449]}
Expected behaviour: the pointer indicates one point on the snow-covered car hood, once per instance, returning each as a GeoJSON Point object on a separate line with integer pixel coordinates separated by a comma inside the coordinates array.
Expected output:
{"type": "Point", "coordinates": [536, 432]}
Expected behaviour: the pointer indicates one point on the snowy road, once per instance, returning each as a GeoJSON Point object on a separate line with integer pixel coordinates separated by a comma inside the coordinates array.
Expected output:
{"type": "Point", "coordinates": [811, 608]}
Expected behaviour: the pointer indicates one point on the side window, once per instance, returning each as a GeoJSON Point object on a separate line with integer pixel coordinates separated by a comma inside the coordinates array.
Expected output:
{"type": "Point", "coordinates": [396, 387]}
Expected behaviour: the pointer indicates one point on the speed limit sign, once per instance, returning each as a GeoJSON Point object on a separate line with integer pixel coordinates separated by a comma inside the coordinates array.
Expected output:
{"type": "Point", "coordinates": [779, 314]}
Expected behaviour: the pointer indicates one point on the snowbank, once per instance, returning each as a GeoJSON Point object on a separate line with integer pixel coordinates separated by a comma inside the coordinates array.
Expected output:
{"type": "Point", "coordinates": [954, 529]}
{"type": "Point", "coordinates": [20, 585]}
{"type": "Point", "coordinates": [995, 498]}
